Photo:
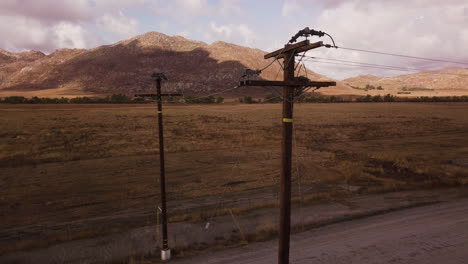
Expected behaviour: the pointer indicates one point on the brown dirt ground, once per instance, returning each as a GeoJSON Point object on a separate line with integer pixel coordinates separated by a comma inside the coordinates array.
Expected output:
{"type": "Point", "coordinates": [78, 171]}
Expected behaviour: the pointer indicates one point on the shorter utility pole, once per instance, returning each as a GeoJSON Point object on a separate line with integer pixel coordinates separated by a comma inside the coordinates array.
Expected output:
{"type": "Point", "coordinates": [158, 77]}
{"type": "Point", "coordinates": [290, 84]}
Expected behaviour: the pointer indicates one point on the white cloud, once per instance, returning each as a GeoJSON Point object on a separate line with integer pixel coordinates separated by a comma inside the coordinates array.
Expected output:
{"type": "Point", "coordinates": [230, 7]}
{"type": "Point", "coordinates": [27, 32]}
{"type": "Point", "coordinates": [235, 33]}
{"type": "Point", "coordinates": [47, 10]}
{"type": "Point", "coordinates": [119, 25]}
{"type": "Point", "coordinates": [184, 33]}
{"type": "Point", "coordinates": [193, 6]}
{"type": "Point", "coordinates": [47, 25]}
{"type": "Point", "coordinates": [32, 34]}
{"type": "Point", "coordinates": [431, 30]}
{"type": "Point", "coordinates": [185, 9]}
{"type": "Point", "coordinates": [68, 35]}
{"type": "Point", "coordinates": [289, 7]}
{"type": "Point", "coordinates": [116, 4]}
{"type": "Point", "coordinates": [182, 8]}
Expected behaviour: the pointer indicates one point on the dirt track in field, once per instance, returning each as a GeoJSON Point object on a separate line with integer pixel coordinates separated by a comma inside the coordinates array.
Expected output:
{"type": "Point", "coordinates": [430, 234]}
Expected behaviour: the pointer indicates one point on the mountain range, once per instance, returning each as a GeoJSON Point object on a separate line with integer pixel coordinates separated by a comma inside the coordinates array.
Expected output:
{"type": "Point", "coordinates": [193, 68]}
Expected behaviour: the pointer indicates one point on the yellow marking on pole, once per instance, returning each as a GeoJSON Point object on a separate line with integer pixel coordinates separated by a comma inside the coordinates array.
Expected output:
{"type": "Point", "coordinates": [287, 120]}
{"type": "Point", "coordinates": [159, 112]}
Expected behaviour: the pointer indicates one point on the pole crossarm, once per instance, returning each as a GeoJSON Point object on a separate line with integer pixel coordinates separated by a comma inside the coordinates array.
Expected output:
{"type": "Point", "coordinates": [309, 47]}
{"type": "Point", "coordinates": [294, 84]}
{"type": "Point", "coordinates": [296, 48]}
{"type": "Point", "coordinates": [286, 49]}
{"type": "Point", "coordinates": [159, 76]}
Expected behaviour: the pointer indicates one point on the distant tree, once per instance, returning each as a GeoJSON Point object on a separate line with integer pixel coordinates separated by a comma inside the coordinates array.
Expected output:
{"type": "Point", "coordinates": [367, 98]}
{"type": "Point", "coordinates": [81, 100]}
{"type": "Point", "coordinates": [369, 87]}
{"type": "Point", "coordinates": [35, 100]}
{"type": "Point", "coordinates": [313, 99]}
{"type": "Point", "coordinates": [377, 98]}
{"type": "Point", "coordinates": [15, 100]}
{"type": "Point", "coordinates": [120, 99]}
{"type": "Point", "coordinates": [219, 100]}
{"type": "Point", "coordinates": [138, 99]}
{"type": "Point", "coordinates": [200, 100]}
{"type": "Point", "coordinates": [63, 100]}
{"type": "Point", "coordinates": [249, 100]}
{"type": "Point", "coordinates": [389, 98]}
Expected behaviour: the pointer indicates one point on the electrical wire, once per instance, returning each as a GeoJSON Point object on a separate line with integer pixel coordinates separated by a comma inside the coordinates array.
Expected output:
{"type": "Point", "coordinates": [359, 66]}
{"type": "Point", "coordinates": [400, 55]}
{"type": "Point", "coordinates": [333, 41]}
{"type": "Point", "coordinates": [264, 68]}
{"type": "Point", "coordinates": [363, 63]}
{"type": "Point", "coordinates": [380, 66]}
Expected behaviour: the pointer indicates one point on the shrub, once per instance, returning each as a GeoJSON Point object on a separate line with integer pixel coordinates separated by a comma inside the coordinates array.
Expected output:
{"type": "Point", "coordinates": [377, 98]}
{"type": "Point", "coordinates": [15, 100]}
{"type": "Point", "coordinates": [200, 100]}
{"type": "Point", "coordinates": [120, 99]}
{"type": "Point", "coordinates": [81, 100]}
{"type": "Point", "coordinates": [247, 100]}
{"type": "Point", "coordinates": [389, 98]}
{"type": "Point", "coordinates": [219, 100]}
{"type": "Point", "coordinates": [367, 98]}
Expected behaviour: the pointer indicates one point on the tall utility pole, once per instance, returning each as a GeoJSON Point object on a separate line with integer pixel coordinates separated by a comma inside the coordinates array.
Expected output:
{"type": "Point", "coordinates": [158, 77]}
{"type": "Point", "coordinates": [289, 84]}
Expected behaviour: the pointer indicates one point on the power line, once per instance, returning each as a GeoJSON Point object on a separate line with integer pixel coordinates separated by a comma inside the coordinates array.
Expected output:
{"type": "Point", "coordinates": [401, 55]}
{"type": "Point", "coordinates": [359, 66]}
{"type": "Point", "coordinates": [379, 66]}
{"type": "Point", "coordinates": [364, 63]}
{"type": "Point", "coordinates": [264, 68]}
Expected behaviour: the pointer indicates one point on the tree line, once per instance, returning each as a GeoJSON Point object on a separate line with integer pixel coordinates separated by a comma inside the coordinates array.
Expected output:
{"type": "Point", "coordinates": [113, 99]}
{"type": "Point", "coordinates": [270, 98]}
{"type": "Point", "coordinates": [274, 98]}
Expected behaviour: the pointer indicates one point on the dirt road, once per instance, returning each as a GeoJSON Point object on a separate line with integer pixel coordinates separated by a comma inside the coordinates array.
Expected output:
{"type": "Point", "coordinates": [431, 234]}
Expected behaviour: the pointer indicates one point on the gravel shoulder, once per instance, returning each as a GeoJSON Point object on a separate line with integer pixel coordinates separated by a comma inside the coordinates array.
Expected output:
{"type": "Point", "coordinates": [404, 218]}
{"type": "Point", "coordinates": [435, 233]}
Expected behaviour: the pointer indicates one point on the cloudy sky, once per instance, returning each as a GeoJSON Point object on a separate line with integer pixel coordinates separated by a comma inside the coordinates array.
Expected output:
{"type": "Point", "coordinates": [427, 28]}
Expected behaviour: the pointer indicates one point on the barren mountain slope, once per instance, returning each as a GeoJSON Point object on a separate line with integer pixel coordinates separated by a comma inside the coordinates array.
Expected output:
{"type": "Point", "coordinates": [449, 81]}
{"type": "Point", "coordinates": [192, 67]}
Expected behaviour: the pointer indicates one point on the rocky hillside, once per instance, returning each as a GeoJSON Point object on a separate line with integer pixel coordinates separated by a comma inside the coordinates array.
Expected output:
{"type": "Point", "coordinates": [449, 81]}
{"type": "Point", "coordinates": [192, 67]}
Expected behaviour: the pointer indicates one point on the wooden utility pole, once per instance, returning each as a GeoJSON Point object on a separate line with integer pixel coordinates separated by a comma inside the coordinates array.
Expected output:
{"type": "Point", "coordinates": [289, 84]}
{"type": "Point", "coordinates": [158, 77]}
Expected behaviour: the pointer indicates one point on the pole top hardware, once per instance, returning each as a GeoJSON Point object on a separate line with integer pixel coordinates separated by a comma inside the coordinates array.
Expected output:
{"type": "Point", "coordinates": [306, 32]}
{"type": "Point", "coordinates": [159, 76]}
{"type": "Point", "coordinates": [250, 72]}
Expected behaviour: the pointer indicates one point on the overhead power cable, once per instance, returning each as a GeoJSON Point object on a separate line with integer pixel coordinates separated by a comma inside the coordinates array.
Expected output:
{"type": "Point", "coordinates": [378, 66]}
{"type": "Point", "coordinates": [398, 55]}
{"type": "Point", "coordinates": [363, 63]}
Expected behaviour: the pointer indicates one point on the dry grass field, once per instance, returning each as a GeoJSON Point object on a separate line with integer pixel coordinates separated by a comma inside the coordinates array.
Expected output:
{"type": "Point", "coordinates": [75, 171]}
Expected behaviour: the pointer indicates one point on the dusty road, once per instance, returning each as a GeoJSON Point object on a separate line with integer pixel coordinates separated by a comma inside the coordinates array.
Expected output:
{"type": "Point", "coordinates": [431, 234]}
